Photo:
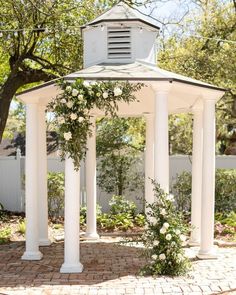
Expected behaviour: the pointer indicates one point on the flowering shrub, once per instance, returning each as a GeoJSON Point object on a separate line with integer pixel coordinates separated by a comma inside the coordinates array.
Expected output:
{"type": "Point", "coordinates": [164, 237]}
{"type": "Point", "coordinates": [72, 109]}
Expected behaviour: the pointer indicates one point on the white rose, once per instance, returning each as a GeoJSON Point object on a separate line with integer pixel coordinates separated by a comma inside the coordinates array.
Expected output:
{"type": "Point", "coordinates": [67, 135]}
{"type": "Point", "coordinates": [60, 120]}
{"type": "Point", "coordinates": [170, 197]}
{"type": "Point", "coordinates": [81, 119]}
{"type": "Point", "coordinates": [73, 116]}
{"type": "Point", "coordinates": [86, 84]}
{"type": "Point", "coordinates": [93, 83]}
{"type": "Point", "coordinates": [173, 243]}
{"type": "Point", "coordinates": [162, 256]}
{"type": "Point", "coordinates": [168, 237]}
{"type": "Point", "coordinates": [177, 231]}
{"type": "Point", "coordinates": [156, 243]}
{"type": "Point", "coordinates": [75, 92]}
{"type": "Point", "coordinates": [68, 88]}
{"type": "Point", "coordinates": [163, 230]}
{"type": "Point", "coordinates": [63, 100]}
{"type": "Point", "coordinates": [117, 91]}
{"type": "Point", "coordinates": [80, 97]}
{"type": "Point", "coordinates": [163, 212]}
{"type": "Point", "coordinates": [166, 225]}
{"type": "Point", "coordinates": [182, 238]}
{"type": "Point", "coordinates": [69, 104]}
{"type": "Point", "coordinates": [105, 95]}
{"type": "Point", "coordinates": [154, 256]}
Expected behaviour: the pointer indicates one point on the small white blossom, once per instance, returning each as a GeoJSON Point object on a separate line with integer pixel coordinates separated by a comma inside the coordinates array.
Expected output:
{"type": "Point", "coordinates": [180, 256]}
{"type": "Point", "coordinates": [67, 135]}
{"type": "Point", "coordinates": [63, 100]}
{"type": "Point", "coordinates": [117, 91]}
{"type": "Point", "coordinates": [80, 97]}
{"type": "Point", "coordinates": [162, 256]}
{"type": "Point", "coordinates": [98, 94]}
{"type": "Point", "coordinates": [170, 197]}
{"type": "Point", "coordinates": [69, 104]}
{"type": "Point", "coordinates": [86, 84]}
{"type": "Point", "coordinates": [163, 211]}
{"type": "Point", "coordinates": [166, 225]}
{"type": "Point", "coordinates": [81, 119]}
{"type": "Point", "coordinates": [68, 88]}
{"type": "Point", "coordinates": [60, 120]}
{"type": "Point", "coordinates": [105, 95]}
{"type": "Point", "coordinates": [93, 83]}
{"type": "Point", "coordinates": [156, 243]}
{"type": "Point", "coordinates": [163, 230]}
{"type": "Point", "coordinates": [177, 231]}
{"type": "Point", "coordinates": [75, 92]}
{"type": "Point", "coordinates": [182, 238]}
{"type": "Point", "coordinates": [168, 237]}
{"type": "Point", "coordinates": [73, 116]}
{"type": "Point", "coordinates": [173, 243]}
{"type": "Point", "coordinates": [154, 256]}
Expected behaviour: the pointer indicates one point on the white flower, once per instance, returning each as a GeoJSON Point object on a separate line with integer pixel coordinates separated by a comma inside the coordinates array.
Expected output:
{"type": "Point", "coordinates": [168, 237]}
{"type": "Point", "coordinates": [182, 238]}
{"type": "Point", "coordinates": [177, 231]}
{"type": "Point", "coordinates": [170, 197]}
{"type": "Point", "coordinates": [86, 84]}
{"type": "Point", "coordinates": [93, 83]}
{"type": "Point", "coordinates": [117, 91]}
{"type": "Point", "coordinates": [156, 243]}
{"type": "Point", "coordinates": [63, 100]}
{"type": "Point", "coordinates": [60, 120]}
{"type": "Point", "coordinates": [163, 211]}
{"type": "Point", "coordinates": [81, 119]}
{"type": "Point", "coordinates": [173, 243]}
{"type": "Point", "coordinates": [75, 92]}
{"type": "Point", "coordinates": [67, 135]}
{"type": "Point", "coordinates": [73, 116]}
{"type": "Point", "coordinates": [163, 230]}
{"type": "Point", "coordinates": [154, 256]}
{"type": "Point", "coordinates": [180, 256]}
{"type": "Point", "coordinates": [80, 97]}
{"type": "Point", "coordinates": [162, 256]}
{"type": "Point", "coordinates": [69, 104]}
{"type": "Point", "coordinates": [166, 225]}
{"type": "Point", "coordinates": [105, 95]}
{"type": "Point", "coordinates": [68, 88]}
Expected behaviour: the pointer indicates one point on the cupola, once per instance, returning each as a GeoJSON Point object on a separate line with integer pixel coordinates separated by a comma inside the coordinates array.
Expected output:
{"type": "Point", "coordinates": [120, 35]}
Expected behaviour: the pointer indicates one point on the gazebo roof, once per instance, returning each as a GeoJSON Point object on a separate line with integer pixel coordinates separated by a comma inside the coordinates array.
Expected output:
{"type": "Point", "coordinates": [122, 12]}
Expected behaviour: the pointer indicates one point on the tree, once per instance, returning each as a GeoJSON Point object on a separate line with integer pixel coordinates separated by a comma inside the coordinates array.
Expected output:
{"type": "Point", "coordinates": [205, 55]}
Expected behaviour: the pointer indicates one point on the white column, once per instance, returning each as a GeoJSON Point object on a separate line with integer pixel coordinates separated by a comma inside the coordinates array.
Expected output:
{"type": "Point", "coordinates": [161, 147]}
{"type": "Point", "coordinates": [42, 178]}
{"type": "Point", "coordinates": [31, 185]}
{"type": "Point", "coordinates": [149, 158]}
{"type": "Point", "coordinates": [196, 178]}
{"type": "Point", "coordinates": [208, 181]}
{"type": "Point", "coordinates": [91, 191]}
{"type": "Point", "coordinates": [72, 220]}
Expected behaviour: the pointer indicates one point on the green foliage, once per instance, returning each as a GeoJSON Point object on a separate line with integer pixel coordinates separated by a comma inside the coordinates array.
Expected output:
{"type": "Point", "coordinates": [164, 236]}
{"type": "Point", "coordinates": [22, 227]}
{"type": "Point", "coordinates": [72, 111]}
{"type": "Point", "coordinates": [55, 193]}
{"type": "Point", "coordinates": [119, 204]}
{"type": "Point", "coordinates": [225, 190]}
{"type": "Point", "coordinates": [83, 213]}
{"type": "Point", "coordinates": [226, 218]}
{"type": "Point", "coordinates": [140, 219]}
{"type": "Point", "coordinates": [5, 235]}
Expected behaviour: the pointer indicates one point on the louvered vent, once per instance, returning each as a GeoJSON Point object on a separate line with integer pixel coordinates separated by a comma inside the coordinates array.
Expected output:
{"type": "Point", "coordinates": [119, 43]}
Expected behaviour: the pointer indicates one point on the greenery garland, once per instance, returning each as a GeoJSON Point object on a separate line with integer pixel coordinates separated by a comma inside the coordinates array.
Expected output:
{"type": "Point", "coordinates": [73, 106]}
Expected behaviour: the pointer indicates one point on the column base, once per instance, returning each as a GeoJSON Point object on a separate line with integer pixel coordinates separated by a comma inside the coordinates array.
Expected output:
{"type": "Point", "coordinates": [45, 242]}
{"type": "Point", "coordinates": [91, 236]}
{"type": "Point", "coordinates": [207, 254]}
{"type": "Point", "coordinates": [32, 255]}
{"type": "Point", "coordinates": [71, 268]}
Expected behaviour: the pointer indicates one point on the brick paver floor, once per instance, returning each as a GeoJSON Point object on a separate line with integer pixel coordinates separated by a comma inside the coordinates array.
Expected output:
{"type": "Point", "coordinates": [109, 269]}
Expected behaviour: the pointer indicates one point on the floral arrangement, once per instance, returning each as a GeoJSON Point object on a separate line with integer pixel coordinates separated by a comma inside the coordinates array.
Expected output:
{"type": "Point", "coordinates": [72, 109]}
{"type": "Point", "coordinates": [164, 237]}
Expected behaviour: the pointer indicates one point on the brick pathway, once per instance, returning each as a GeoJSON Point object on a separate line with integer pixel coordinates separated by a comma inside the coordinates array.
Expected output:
{"type": "Point", "coordinates": [109, 269]}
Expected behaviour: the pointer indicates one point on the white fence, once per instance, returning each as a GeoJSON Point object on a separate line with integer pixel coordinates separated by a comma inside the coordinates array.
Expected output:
{"type": "Point", "coordinates": [12, 173]}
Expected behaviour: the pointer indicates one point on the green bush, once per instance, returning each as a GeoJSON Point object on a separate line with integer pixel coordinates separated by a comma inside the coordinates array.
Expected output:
{"type": "Point", "coordinates": [140, 219]}
{"type": "Point", "coordinates": [55, 193]}
{"type": "Point", "coordinates": [22, 227]}
{"type": "Point", "coordinates": [5, 235]}
{"type": "Point", "coordinates": [119, 204]}
{"type": "Point", "coordinates": [225, 190]}
{"type": "Point", "coordinates": [164, 236]}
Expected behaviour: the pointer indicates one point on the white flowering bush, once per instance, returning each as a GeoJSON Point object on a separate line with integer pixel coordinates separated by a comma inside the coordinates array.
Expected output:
{"type": "Point", "coordinates": [72, 109]}
{"type": "Point", "coordinates": [164, 236]}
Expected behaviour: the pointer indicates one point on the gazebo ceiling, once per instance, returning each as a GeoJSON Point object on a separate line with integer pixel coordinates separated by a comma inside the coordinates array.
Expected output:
{"type": "Point", "coordinates": [184, 93]}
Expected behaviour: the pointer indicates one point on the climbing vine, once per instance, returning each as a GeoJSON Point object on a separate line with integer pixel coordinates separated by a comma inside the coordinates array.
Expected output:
{"type": "Point", "coordinates": [73, 110]}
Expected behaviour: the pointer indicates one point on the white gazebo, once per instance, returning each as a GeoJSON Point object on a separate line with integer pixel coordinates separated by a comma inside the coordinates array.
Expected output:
{"type": "Point", "coordinates": [120, 45]}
